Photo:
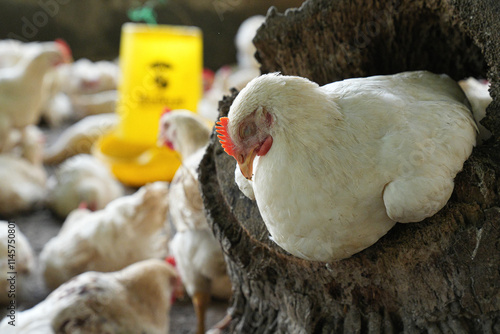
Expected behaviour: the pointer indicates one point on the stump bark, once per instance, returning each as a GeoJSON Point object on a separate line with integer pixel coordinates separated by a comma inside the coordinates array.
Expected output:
{"type": "Point", "coordinates": [441, 275]}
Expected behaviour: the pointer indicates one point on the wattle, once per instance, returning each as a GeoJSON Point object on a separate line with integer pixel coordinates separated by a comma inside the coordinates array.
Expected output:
{"type": "Point", "coordinates": [265, 147]}
{"type": "Point", "coordinates": [170, 145]}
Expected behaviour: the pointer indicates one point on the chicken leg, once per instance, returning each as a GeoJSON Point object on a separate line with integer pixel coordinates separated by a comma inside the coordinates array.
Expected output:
{"type": "Point", "coordinates": [200, 301]}
{"type": "Point", "coordinates": [221, 325]}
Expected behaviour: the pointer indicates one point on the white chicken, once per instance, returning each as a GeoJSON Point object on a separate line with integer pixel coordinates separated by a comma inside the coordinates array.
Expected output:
{"type": "Point", "coordinates": [11, 51]}
{"type": "Point", "coordinates": [87, 77]}
{"type": "Point", "coordinates": [16, 256]}
{"type": "Point", "coordinates": [97, 103]}
{"type": "Point", "coordinates": [337, 166]}
{"type": "Point", "coordinates": [130, 229]}
{"type": "Point", "coordinates": [22, 185]}
{"type": "Point", "coordinates": [57, 110]}
{"type": "Point", "coordinates": [56, 106]}
{"type": "Point", "coordinates": [79, 137]}
{"type": "Point", "coordinates": [479, 97]}
{"type": "Point", "coordinates": [183, 131]}
{"type": "Point", "coordinates": [133, 300]}
{"type": "Point", "coordinates": [244, 41]}
{"type": "Point", "coordinates": [28, 144]}
{"type": "Point", "coordinates": [22, 176]}
{"type": "Point", "coordinates": [21, 93]}
{"type": "Point", "coordinates": [80, 89]}
{"type": "Point", "coordinates": [197, 253]}
{"type": "Point", "coordinates": [82, 179]}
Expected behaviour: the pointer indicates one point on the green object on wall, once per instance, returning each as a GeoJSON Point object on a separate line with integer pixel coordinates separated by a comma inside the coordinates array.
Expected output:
{"type": "Point", "coordinates": [145, 12]}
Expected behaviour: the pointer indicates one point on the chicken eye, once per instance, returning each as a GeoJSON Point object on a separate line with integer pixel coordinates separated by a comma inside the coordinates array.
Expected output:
{"type": "Point", "coordinates": [247, 130]}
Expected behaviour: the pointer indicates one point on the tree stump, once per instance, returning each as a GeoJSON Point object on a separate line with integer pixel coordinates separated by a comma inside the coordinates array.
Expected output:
{"type": "Point", "coordinates": [441, 275]}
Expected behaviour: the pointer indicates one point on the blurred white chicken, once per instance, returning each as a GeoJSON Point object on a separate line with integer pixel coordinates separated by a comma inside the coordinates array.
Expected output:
{"type": "Point", "coordinates": [57, 110]}
{"type": "Point", "coordinates": [22, 185]}
{"type": "Point", "coordinates": [29, 143]}
{"type": "Point", "coordinates": [238, 76]}
{"type": "Point", "coordinates": [130, 229]}
{"type": "Point", "coordinates": [16, 255]}
{"type": "Point", "coordinates": [88, 77]}
{"type": "Point", "coordinates": [245, 49]}
{"type": "Point", "coordinates": [82, 179]}
{"type": "Point", "coordinates": [333, 168]}
{"type": "Point", "coordinates": [21, 92]}
{"type": "Point", "coordinates": [79, 137]}
{"type": "Point", "coordinates": [56, 105]}
{"type": "Point", "coordinates": [22, 176]}
{"type": "Point", "coordinates": [11, 51]}
{"type": "Point", "coordinates": [197, 253]}
{"type": "Point", "coordinates": [479, 97]}
{"type": "Point", "coordinates": [80, 89]}
{"type": "Point", "coordinates": [136, 299]}
{"type": "Point", "coordinates": [94, 104]}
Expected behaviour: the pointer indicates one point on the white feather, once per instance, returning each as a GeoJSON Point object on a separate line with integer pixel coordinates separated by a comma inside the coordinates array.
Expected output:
{"type": "Point", "coordinates": [133, 300]}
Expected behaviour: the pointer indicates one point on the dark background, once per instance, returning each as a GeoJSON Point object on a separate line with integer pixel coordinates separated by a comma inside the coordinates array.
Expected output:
{"type": "Point", "coordinates": [92, 27]}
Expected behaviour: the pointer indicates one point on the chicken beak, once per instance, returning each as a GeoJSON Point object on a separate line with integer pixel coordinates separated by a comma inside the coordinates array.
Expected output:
{"type": "Point", "coordinates": [246, 164]}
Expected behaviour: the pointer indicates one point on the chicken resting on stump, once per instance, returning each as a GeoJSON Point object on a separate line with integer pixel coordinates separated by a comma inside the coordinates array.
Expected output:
{"type": "Point", "coordinates": [337, 166]}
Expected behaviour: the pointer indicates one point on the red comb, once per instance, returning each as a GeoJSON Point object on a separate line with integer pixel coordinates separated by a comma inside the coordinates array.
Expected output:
{"type": "Point", "coordinates": [223, 135]}
{"type": "Point", "coordinates": [208, 74]}
{"type": "Point", "coordinates": [208, 79]}
{"type": "Point", "coordinates": [64, 47]}
{"type": "Point", "coordinates": [177, 282]}
{"type": "Point", "coordinates": [166, 110]}
{"type": "Point", "coordinates": [170, 260]}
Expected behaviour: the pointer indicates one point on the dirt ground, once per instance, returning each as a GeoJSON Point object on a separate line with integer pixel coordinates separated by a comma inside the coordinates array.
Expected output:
{"type": "Point", "coordinates": [41, 225]}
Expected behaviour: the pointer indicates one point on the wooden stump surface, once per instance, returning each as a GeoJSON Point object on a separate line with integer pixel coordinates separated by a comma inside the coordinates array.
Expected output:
{"type": "Point", "coordinates": [438, 276]}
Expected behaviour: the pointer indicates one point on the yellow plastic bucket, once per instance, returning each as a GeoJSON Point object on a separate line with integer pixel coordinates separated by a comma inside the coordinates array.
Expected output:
{"type": "Point", "coordinates": [161, 66]}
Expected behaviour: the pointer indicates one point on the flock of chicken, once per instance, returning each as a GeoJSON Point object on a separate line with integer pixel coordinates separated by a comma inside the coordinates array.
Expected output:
{"type": "Point", "coordinates": [102, 267]}
{"type": "Point", "coordinates": [396, 142]}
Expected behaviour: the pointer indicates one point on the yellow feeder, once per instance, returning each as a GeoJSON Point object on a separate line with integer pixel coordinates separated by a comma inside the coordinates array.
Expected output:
{"type": "Point", "coordinates": [161, 66]}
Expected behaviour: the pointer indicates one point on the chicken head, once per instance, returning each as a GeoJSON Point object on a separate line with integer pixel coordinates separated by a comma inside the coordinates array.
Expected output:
{"type": "Point", "coordinates": [250, 139]}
